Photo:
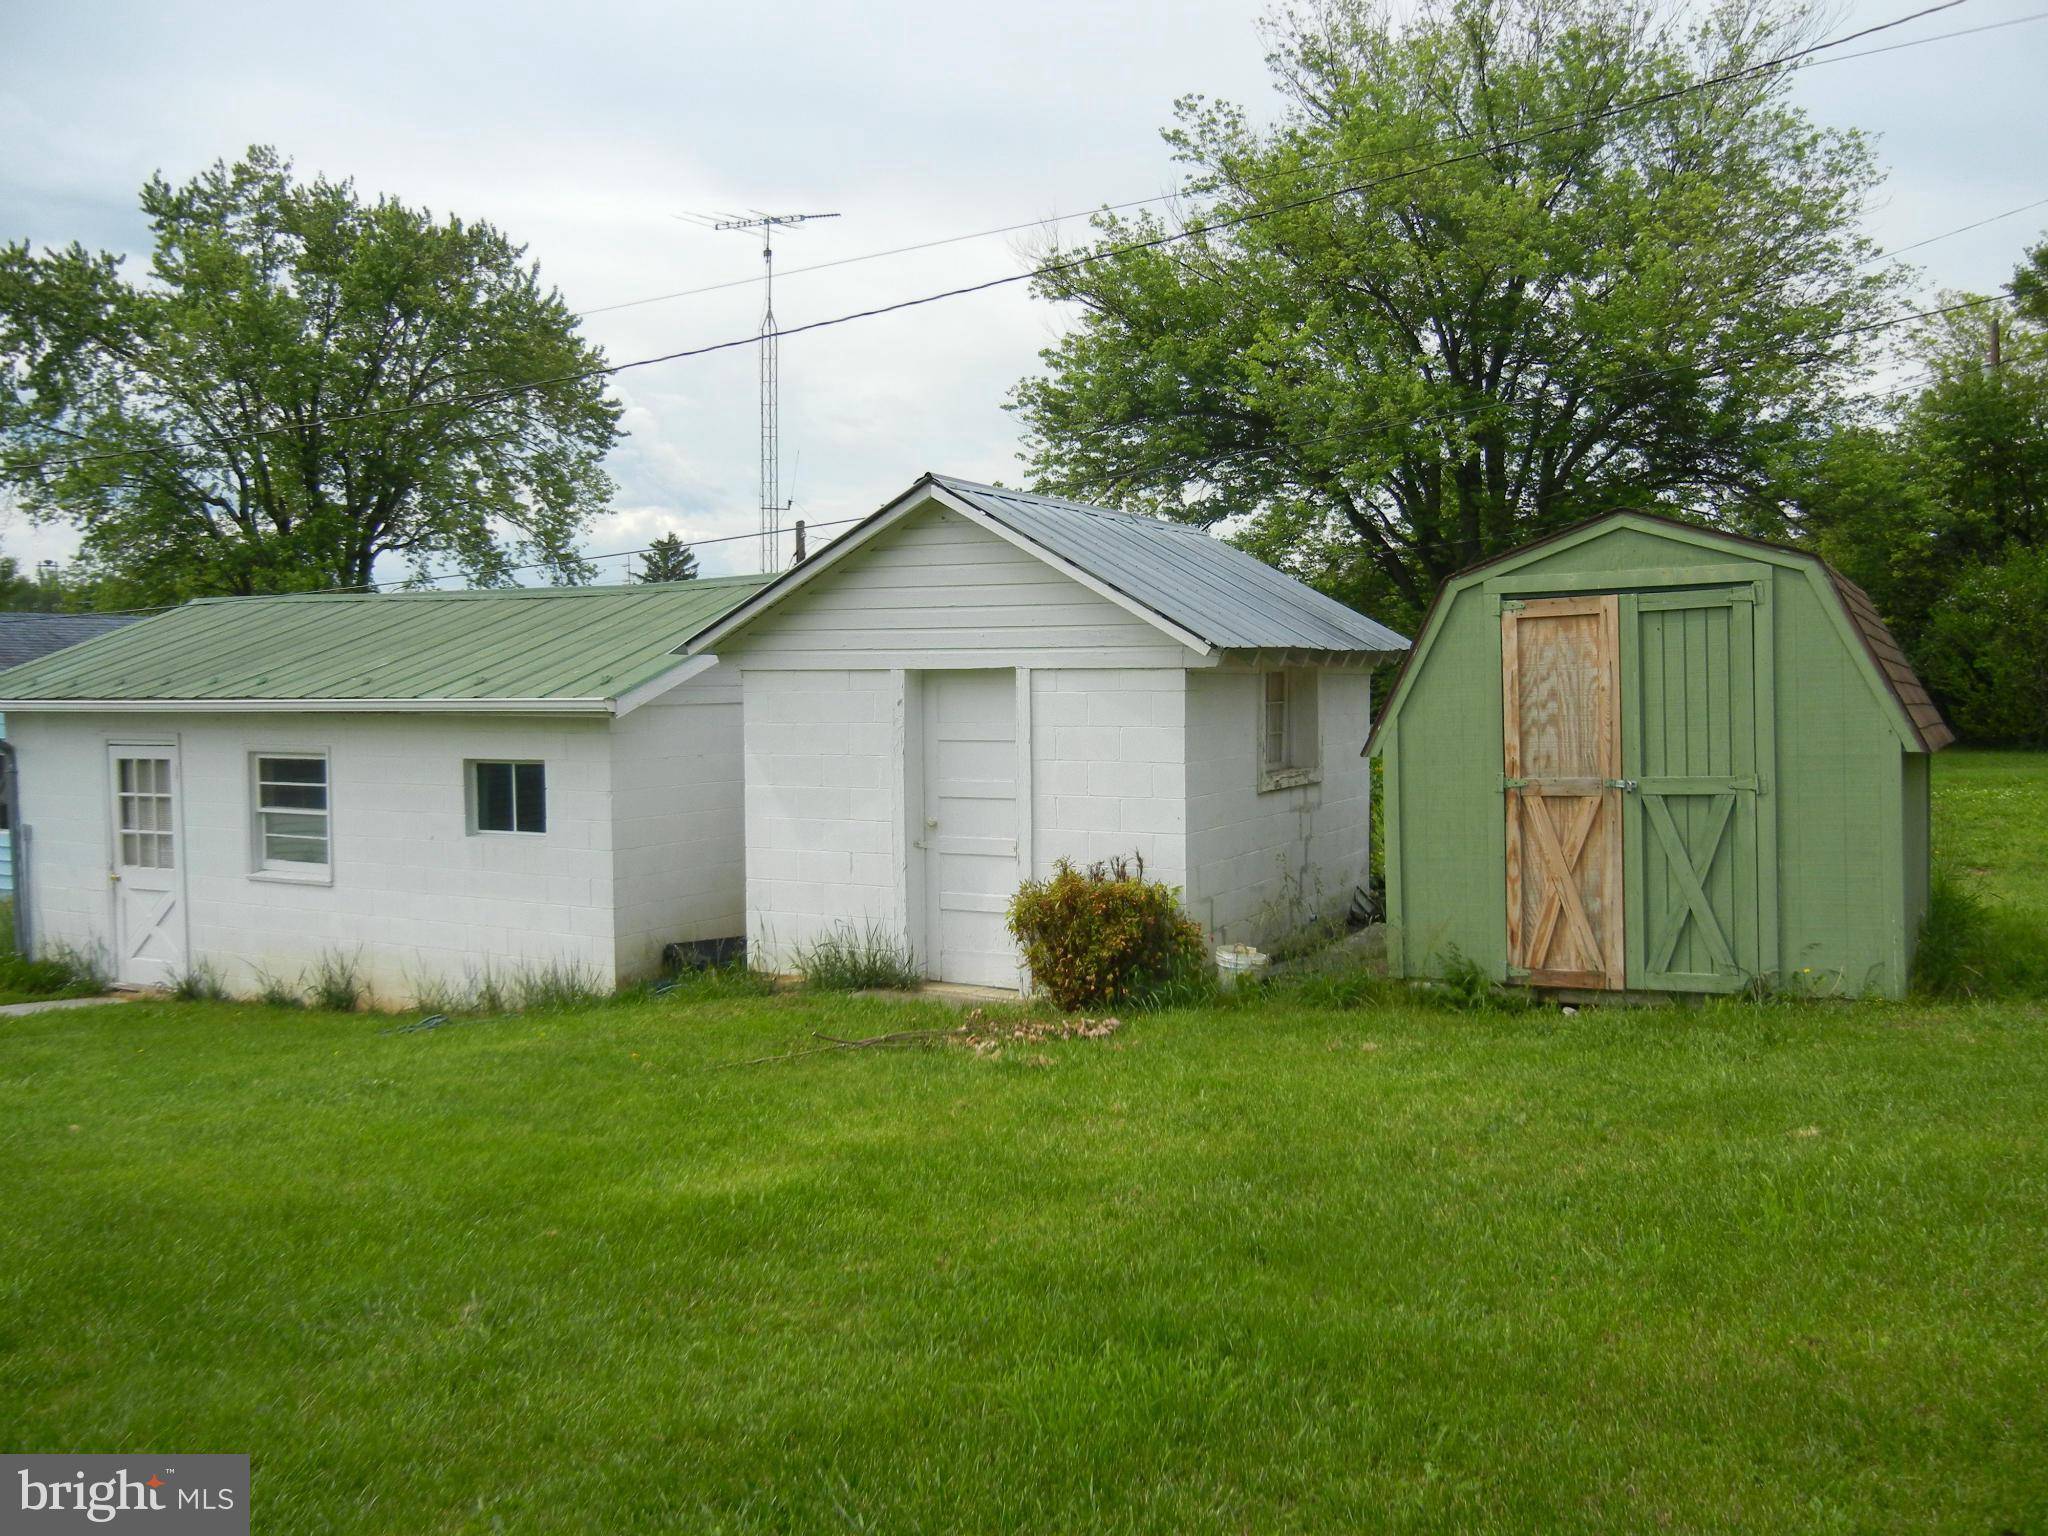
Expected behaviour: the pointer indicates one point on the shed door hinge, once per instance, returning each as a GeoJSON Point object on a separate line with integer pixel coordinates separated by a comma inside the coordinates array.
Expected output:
{"type": "Point", "coordinates": [1507, 783]}
{"type": "Point", "coordinates": [1512, 605]}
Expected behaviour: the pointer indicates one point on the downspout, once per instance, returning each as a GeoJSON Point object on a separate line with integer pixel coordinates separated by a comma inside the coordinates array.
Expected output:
{"type": "Point", "coordinates": [17, 845]}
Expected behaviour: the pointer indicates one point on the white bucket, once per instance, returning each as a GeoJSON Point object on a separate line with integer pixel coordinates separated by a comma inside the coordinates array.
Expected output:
{"type": "Point", "coordinates": [1235, 962]}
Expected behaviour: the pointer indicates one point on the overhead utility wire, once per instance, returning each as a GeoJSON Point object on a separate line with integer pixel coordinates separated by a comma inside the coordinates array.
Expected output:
{"type": "Point", "coordinates": [488, 396]}
{"type": "Point", "coordinates": [1190, 188]}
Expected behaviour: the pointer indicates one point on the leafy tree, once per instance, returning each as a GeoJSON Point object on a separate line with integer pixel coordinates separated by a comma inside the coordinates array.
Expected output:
{"type": "Point", "coordinates": [21, 593]}
{"type": "Point", "coordinates": [668, 558]}
{"type": "Point", "coordinates": [308, 383]}
{"type": "Point", "coordinates": [1395, 365]}
{"type": "Point", "coordinates": [1941, 512]}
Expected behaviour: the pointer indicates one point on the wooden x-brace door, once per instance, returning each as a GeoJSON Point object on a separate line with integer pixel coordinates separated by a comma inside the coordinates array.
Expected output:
{"type": "Point", "coordinates": [1560, 697]}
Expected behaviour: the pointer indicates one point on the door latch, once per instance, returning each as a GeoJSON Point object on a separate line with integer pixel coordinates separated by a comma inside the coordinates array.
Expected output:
{"type": "Point", "coordinates": [1626, 786]}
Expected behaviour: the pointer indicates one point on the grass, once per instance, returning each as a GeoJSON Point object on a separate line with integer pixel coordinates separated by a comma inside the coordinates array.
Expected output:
{"type": "Point", "coordinates": [1984, 934]}
{"type": "Point", "coordinates": [59, 973]}
{"type": "Point", "coordinates": [1277, 1266]}
{"type": "Point", "coordinates": [850, 959]}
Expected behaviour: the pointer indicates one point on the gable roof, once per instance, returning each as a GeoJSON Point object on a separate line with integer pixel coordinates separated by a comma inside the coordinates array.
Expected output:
{"type": "Point", "coordinates": [524, 649]}
{"type": "Point", "coordinates": [1919, 721]}
{"type": "Point", "coordinates": [25, 636]}
{"type": "Point", "coordinates": [1204, 593]}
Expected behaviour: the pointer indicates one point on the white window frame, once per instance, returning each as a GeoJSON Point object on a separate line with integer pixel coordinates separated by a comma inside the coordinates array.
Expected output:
{"type": "Point", "coordinates": [1299, 727]}
{"type": "Point", "coordinates": [261, 865]}
{"type": "Point", "coordinates": [472, 798]}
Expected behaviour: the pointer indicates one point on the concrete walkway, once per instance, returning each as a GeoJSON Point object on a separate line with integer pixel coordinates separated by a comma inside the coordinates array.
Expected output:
{"type": "Point", "coordinates": [52, 1004]}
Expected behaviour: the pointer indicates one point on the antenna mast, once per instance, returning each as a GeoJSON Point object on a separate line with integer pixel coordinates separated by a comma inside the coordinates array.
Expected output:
{"type": "Point", "coordinates": [772, 505]}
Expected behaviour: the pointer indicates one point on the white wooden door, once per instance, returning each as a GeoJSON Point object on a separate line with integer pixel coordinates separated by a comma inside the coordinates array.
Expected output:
{"type": "Point", "coordinates": [970, 825]}
{"type": "Point", "coordinates": [148, 875]}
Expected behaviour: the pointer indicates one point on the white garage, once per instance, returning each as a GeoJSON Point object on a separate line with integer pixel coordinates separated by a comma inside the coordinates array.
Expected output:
{"type": "Point", "coordinates": [429, 785]}
{"type": "Point", "coordinates": [974, 683]}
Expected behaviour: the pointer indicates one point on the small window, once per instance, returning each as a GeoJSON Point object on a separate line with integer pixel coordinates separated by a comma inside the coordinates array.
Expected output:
{"type": "Point", "coordinates": [1289, 735]}
{"type": "Point", "coordinates": [508, 797]}
{"type": "Point", "coordinates": [293, 834]}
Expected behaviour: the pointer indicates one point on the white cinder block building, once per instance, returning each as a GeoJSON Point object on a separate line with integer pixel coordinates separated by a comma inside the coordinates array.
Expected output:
{"type": "Point", "coordinates": [974, 683]}
{"type": "Point", "coordinates": [434, 784]}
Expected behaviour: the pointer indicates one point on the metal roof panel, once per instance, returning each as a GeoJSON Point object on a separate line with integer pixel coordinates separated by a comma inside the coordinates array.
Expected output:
{"type": "Point", "coordinates": [526, 643]}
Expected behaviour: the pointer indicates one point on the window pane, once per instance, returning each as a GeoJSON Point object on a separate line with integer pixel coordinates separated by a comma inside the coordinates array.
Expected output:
{"type": "Point", "coordinates": [294, 797]}
{"type": "Point", "coordinates": [295, 824]}
{"type": "Point", "coordinates": [531, 799]}
{"type": "Point", "coordinates": [125, 767]}
{"type": "Point", "coordinates": [295, 850]}
{"type": "Point", "coordinates": [292, 770]}
{"type": "Point", "coordinates": [129, 855]}
{"type": "Point", "coordinates": [494, 797]}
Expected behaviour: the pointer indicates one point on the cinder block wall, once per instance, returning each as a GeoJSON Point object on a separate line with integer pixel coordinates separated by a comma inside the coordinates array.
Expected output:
{"type": "Point", "coordinates": [823, 805]}
{"type": "Point", "coordinates": [678, 822]}
{"type": "Point", "coordinates": [1260, 860]}
{"type": "Point", "coordinates": [413, 894]}
{"type": "Point", "coordinates": [1109, 768]}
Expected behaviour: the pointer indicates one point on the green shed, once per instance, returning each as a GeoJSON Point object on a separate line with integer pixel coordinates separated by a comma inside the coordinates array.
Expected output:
{"type": "Point", "coordinates": [1643, 755]}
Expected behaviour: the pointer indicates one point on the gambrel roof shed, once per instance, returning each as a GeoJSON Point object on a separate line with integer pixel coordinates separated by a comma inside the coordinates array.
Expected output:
{"type": "Point", "coordinates": [1645, 755]}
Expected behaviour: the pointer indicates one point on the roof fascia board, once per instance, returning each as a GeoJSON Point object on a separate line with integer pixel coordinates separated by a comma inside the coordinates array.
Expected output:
{"type": "Point", "coordinates": [1072, 572]}
{"type": "Point", "coordinates": [665, 682]}
{"type": "Point", "coordinates": [594, 707]}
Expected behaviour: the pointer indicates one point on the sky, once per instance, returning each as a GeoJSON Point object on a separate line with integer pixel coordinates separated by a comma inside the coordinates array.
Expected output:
{"type": "Point", "coordinates": [600, 135]}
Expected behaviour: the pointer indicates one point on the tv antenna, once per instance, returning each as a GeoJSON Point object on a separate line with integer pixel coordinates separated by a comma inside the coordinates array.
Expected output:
{"type": "Point", "coordinates": [772, 504]}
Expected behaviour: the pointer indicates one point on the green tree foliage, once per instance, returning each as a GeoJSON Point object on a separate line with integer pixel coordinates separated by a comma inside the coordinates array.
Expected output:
{"type": "Point", "coordinates": [1395, 380]}
{"type": "Point", "coordinates": [21, 593]}
{"type": "Point", "coordinates": [1940, 511]}
{"type": "Point", "coordinates": [667, 558]}
{"type": "Point", "coordinates": [307, 383]}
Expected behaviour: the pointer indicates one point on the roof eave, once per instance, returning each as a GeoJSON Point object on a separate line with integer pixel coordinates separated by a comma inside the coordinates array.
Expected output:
{"type": "Point", "coordinates": [557, 706]}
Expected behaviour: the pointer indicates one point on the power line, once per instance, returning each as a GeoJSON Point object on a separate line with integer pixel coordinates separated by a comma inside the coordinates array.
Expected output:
{"type": "Point", "coordinates": [490, 396]}
{"type": "Point", "coordinates": [1188, 189]}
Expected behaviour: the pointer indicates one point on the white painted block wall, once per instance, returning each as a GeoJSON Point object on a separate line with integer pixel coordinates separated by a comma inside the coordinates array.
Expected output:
{"type": "Point", "coordinates": [414, 894]}
{"type": "Point", "coordinates": [1260, 859]}
{"type": "Point", "coordinates": [823, 755]}
{"type": "Point", "coordinates": [1109, 773]}
{"type": "Point", "coordinates": [679, 854]}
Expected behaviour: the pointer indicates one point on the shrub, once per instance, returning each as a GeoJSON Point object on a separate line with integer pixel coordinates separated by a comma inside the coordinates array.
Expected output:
{"type": "Point", "coordinates": [1104, 935]}
{"type": "Point", "coordinates": [853, 959]}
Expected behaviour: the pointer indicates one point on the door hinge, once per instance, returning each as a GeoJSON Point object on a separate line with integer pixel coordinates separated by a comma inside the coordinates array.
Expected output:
{"type": "Point", "coordinates": [1507, 783]}
{"type": "Point", "coordinates": [1512, 605]}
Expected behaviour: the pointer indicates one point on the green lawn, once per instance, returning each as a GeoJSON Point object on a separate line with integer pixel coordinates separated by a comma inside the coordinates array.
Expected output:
{"type": "Point", "coordinates": [1273, 1268]}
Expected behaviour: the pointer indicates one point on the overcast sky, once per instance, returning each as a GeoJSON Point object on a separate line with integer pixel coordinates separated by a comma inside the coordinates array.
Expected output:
{"type": "Point", "coordinates": [585, 131]}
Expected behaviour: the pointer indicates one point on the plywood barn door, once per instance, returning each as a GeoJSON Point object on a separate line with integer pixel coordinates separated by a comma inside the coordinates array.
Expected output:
{"type": "Point", "coordinates": [1697, 740]}
{"type": "Point", "coordinates": [1560, 697]}
{"type": "Point", "coordinates": [970, 825]}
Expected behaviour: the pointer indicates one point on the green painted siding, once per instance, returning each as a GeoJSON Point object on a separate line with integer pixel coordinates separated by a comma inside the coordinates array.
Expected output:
{"type": "Point", "coordinates": [1822, 877]}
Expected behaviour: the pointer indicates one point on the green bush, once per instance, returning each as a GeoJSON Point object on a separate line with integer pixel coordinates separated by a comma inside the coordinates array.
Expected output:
{"type": "Point", "coordinates": [1101, 936]}
{"type": "Point", "coordinates": [1970, 947]}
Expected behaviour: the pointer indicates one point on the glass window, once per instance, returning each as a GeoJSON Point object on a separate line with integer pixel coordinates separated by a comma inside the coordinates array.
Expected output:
{"type": "Point", "coordinates": [509, 797]}
{"type": "Point", "coordinates": [1289, 733]}
{"type": "Point", "coordinates": [292, 831]}
{"type": "Point", "coordinates": [1276, 721]}
{"type": "Point", "coordinates": [142, 792]}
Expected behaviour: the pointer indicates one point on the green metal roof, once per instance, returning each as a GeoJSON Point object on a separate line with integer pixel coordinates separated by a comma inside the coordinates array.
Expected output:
{"type": "Point", "coordinates": [560, 647]}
